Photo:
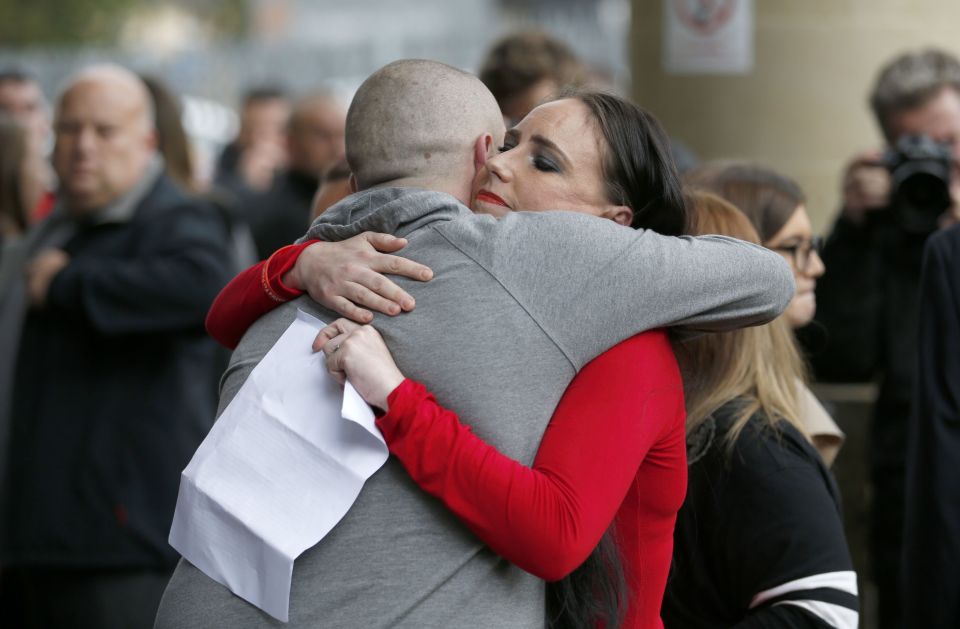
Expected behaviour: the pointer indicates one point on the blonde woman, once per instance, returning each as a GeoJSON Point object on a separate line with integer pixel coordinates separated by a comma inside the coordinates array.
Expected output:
{"type": "Point", "coordinates": [776, 206]}
{"type": "Point", "coordinates": [759, 541]}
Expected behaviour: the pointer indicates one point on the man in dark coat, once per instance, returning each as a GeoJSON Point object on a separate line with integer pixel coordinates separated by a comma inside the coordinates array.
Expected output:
{"type": "Point", "coordinates": [248, 164]}
{"type": "Point", "coordinates": [314, 144]}
{"type": "Point", "coordinates": [115, 382]}
{"type": "Point", "coordinates": [932, 534]}
{"type": "Point", "coordinates": [867, 300]}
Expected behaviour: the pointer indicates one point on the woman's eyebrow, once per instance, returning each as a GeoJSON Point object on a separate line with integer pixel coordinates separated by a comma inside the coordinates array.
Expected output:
{"type": "Point", "coordinates": [544, 142]}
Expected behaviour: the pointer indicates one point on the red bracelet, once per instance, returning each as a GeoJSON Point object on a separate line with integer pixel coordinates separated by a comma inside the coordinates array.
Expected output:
{"type": "Point", "coordinates": [264, 275]}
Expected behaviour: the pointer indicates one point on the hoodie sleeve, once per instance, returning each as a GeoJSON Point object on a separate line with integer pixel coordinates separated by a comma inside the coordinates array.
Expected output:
{"type": "Point", "coordinates": [591, 283]}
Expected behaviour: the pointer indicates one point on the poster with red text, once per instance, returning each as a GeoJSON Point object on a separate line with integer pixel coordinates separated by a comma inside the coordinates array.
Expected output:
{"type": "Point", "coordinates": [708, 36]}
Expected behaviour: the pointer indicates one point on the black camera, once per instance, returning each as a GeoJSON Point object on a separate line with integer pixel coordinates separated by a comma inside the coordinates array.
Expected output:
{"type": "Point", "coordinates": [919, 182]}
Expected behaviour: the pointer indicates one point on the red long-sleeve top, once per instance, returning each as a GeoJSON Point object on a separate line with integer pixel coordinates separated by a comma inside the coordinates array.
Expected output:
{"type": "Point", "coordinates": [251, 294]}
{"type": "Point", "coordinates": [614, 451]}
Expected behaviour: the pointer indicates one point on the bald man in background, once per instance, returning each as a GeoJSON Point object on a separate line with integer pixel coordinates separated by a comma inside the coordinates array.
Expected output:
{"type": "Point", "coordinates": [315, 134]}
{"type": "Point", "coordinates": [115, 380]}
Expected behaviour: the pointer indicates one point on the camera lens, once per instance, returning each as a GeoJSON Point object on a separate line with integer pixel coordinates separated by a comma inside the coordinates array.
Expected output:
{"type": "Point", "coordinates": [924, 189]}
{"type": "Point", "coordinates": [920, 178]}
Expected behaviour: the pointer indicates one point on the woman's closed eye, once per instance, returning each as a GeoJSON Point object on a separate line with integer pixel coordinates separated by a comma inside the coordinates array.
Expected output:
{"type": "Point", "coordinates": [545, 164]}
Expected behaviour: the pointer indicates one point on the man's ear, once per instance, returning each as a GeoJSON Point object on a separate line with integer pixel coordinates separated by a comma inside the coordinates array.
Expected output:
{"type": "Point", "coordinates": [352, 183]}
{"type": "Point", "coordinates": [621, 214]}
{"type": "Point", "coordinates": [481, 150]}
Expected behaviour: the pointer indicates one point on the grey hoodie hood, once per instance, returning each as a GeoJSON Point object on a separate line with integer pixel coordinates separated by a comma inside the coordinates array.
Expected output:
{"type": "Point", "coordinates": [397, 211]}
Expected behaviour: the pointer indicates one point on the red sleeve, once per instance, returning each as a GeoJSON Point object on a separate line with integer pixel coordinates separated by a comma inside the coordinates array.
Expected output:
{"type": "Point", "coordinates": [547, 518]}
{"type": "Point", "coordinates": [252, 294]}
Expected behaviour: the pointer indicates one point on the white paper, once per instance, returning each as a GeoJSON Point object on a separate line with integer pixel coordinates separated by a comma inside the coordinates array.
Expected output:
{"type": "Point", "coordinates": [282, 465]}
{"type": "Point", "coordinates": [708, 36]}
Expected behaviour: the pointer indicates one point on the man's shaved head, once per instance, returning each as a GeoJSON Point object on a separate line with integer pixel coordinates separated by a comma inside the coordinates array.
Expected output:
{"type": "Point", "coordinates": [418, 120]}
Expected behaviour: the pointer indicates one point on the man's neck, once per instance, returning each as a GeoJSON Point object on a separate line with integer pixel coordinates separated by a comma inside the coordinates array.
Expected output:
{"type": "Point", "coordinates": [458, 190]}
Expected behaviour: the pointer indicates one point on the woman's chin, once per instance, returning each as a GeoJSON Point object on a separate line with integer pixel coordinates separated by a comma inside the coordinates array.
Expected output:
{"type": "Point", "coordinates": [801, 310]}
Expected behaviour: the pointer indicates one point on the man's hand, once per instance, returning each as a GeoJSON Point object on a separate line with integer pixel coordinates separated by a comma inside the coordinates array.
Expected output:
{"type": "Point", "coordinates": [866, 186]}
{"type": "Point", "coordinates": [357, 353]}
{"type": "Point", "coordinates": [40, 273]}
{"type": "Point", "coordinates": [348, 275]}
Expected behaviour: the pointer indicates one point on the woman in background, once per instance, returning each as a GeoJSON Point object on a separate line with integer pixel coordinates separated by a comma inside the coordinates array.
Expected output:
{"type": "Point", "coordinates": [14, 185]}
{"type": "Point", "coordinates": [173, 143]}
{"type": "Point", "coordinates": [759, 540]}
{"type": "Point", "coordinates": [14, 221]}
{"type": "Point", "coordinates": [172, 140]}
{"type": "Point", "coordinates": [776, 206]}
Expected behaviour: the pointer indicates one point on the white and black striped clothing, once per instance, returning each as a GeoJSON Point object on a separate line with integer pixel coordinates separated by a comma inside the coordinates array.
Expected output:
{"type": "Point", "coordinates": [759, 541]}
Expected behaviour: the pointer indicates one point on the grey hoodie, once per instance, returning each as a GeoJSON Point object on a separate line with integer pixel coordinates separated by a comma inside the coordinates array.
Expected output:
{"type": "Point", "coordinates": [516, 308]}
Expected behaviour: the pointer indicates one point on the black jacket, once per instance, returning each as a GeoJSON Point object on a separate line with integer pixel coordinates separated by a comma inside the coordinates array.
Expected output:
{"type": "Point", "coordinates": [932, 534]}
{"type": "Point", "coordinates": [282, 214]}
{"type": "Point", "coordinates": [115, 388]}
{"type": "Point", "coordinates": [867, 314]}
{"type": "Point", "coordinates": [759, 539]}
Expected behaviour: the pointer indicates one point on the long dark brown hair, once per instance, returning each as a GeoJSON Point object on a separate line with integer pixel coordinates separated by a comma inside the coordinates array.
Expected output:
{"type": "Point", "coordinates": [639, 172]}
{"type": "Point", "coordinates": [638, 167]}
{"type": "Point", "coordinates": [172, 140]}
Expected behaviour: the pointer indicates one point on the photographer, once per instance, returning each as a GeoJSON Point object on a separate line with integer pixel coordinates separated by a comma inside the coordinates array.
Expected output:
{"type": "Point", "coordinates": [892, 201]}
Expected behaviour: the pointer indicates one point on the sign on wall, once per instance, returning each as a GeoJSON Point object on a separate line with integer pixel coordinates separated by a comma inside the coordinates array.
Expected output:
{"type": "Point", "coordinates": [708, 36]}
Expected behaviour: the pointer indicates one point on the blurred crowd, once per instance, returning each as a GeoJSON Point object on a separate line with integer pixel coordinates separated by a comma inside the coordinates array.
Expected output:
{"type": "Point", "coordinates": [112, 253]}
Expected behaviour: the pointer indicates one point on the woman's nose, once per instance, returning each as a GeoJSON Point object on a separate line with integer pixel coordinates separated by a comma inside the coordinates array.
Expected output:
{"type": "Point", "coordinates": [499, 165]}
{"type": "Point", "coordinates": [815, 266]}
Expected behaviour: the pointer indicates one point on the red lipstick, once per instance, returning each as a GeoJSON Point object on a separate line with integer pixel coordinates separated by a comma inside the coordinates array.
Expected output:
{"type": "Point", "coordinates": [489, 197]}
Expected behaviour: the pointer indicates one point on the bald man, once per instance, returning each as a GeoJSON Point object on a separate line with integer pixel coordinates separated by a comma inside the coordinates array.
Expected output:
{"type": "Point", "coordinates": [114, 377]}
{"type": "Point", "coordinates": [513, 312]}
{"type": "Point", "coordinates": [315, 143]}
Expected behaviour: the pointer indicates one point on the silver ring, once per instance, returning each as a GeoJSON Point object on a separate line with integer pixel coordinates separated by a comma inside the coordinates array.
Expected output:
{"type": "Point", "coordinates": [335, 349]}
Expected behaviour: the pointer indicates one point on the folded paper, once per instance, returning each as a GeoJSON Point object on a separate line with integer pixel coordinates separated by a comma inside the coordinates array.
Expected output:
{"type": "Point", "coordinates": [279, 469]}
